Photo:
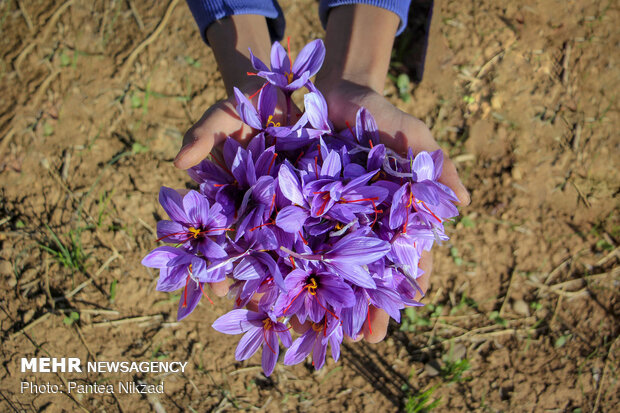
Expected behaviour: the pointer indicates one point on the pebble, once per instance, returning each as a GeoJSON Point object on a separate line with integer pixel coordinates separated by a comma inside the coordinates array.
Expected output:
{"type": "Point", "coordinates": [521, 307]}
{"type": "Point", "coordinates": [459, 351]}
{"type": "Point", "coordinates": [28, 275]}
{"type": "Point", "coordinates": [432, 368]}
{"type": "Point", "coordinates": [5, 268]}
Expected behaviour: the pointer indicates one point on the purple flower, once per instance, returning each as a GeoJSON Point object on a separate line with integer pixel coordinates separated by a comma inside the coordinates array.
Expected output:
{"type": "Point", "coordinates": [180, 269]}
{"type": "Point", "coordinates": [261, 117]}
{"type": "Point", "coordinates": [315, 341]}
{"type": "Point", "coordinates": [310, 292]}
{"type": "Point", "coordinates": [260, 329]}
{"type": "Point", "coordinates": [347, 256]}
{"type": "Point", "coordinates": [287, 75]}
{"type": "Point", "coordinates": [194, 223]}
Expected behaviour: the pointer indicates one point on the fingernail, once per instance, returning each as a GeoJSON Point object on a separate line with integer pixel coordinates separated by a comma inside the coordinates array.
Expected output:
{"type": "Point", "coordinates": [464, 190]}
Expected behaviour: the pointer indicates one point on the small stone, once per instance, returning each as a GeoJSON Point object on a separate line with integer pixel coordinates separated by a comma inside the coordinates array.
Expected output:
{"type": "Point", "coordinates": [28, 315]}
{"type": "Point", "coordinates": [459, 351]}
{"type": "Point", "coordinates": [28, 275]}
{"type": "Point", "coordinates": [5, 268]}
{"type": "Point", "coordinates": [432, 368]}
{"type": "Point", "coordinates": [521, 307]}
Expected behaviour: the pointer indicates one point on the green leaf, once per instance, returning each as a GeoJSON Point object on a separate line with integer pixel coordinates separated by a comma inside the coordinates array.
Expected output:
{"type": "Point", "coordinates": [562, 340]}
{"type": "Point", "coordinates": [494, 316]}
{"type": "Point", "coordinates": [402, 83]}
{"type": "Point", "coordinates": [138, 148]}
{"type": "Point", "coordinates": [113, 290]}
{"type": "Point", "coordinates": [468, 222]}
{"type": "Point", "coordinates": [48, 129]}
{"type": "Point", "coordinates": [20, 224]}
{"type": "Point", "coordinates": [64, 59]}
{"type": "Point", "coordinates": [455, 256]}
{"type": "Point", "coordinates": [136, 102]}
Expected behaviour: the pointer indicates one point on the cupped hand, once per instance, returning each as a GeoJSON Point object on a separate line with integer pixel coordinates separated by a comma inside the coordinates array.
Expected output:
{"type": "Point", "coordinates": [399, 131]}
{"type": "Point", "coordinates": [216, 124]}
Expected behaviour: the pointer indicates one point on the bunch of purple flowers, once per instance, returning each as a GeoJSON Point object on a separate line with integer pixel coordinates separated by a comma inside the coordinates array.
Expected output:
{"type": "Point", "coordinates": [306, 221]}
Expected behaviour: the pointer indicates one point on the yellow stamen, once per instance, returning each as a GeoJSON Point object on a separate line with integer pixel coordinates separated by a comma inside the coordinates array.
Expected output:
{"type": "Point", "coordinates": [312, 286]}
{"type": "Point", "coordinates": [270, 122]}
{"type": "Point", "coordinates": [289, 77]}
{"type": "Point", "coordinates": [267, 324]}
{"type": "Point", "coordinates": [317, 327]}
{"type": "Point", "coordinates": [195, 232]}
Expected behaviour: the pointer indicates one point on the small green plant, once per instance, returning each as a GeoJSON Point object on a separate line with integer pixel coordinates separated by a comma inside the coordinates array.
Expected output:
{"type": "Point", "coordinates": [422, 403]}
{"type": "Point", "coordinates": [138, 148]}
{"type": "Point", "coordinates": [452, 371]}
{"type": "Point", "coordinates": [413, 319]}
{"type": "Point", "coordinates": [70, 254]}
{"type": "Point", "coordinates": [468, 99]}
{"type": "Point", "coordinates": [71, 318]}
{"type": "Point", "coordinates": [455, 256]}
{"type": "Point", "coordinates": [402, 83]}
{"type": "Point", "coordinates": [192, 62]}
{"type": "Point", "coordinates": [561, 341]}
{"type": "Point", "coordinates": [104, 200]}
{"type": "Point", "coordinates": [112, 296]}
{"type": "Point", "coordinates": [494, 316]}
{"type": "Point", "coordinates": [467, 222]}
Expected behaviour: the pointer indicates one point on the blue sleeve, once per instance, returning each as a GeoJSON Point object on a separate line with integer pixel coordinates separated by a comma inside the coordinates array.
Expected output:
{"type": "Point", "coordinates": [207, 11]}
{"type": "Point", "coordinates": [400, 7]}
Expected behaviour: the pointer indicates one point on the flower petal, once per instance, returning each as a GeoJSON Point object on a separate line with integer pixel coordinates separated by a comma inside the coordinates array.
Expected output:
{"type": "Point", "coordinates": [249, 343]}
{"type": "Point", "coordinates": [291, 218]}
{"type": "Point", "coordinates": [189, 299]}
{"type": "Point", "coordinates": [246, 110]}
{"type": "Point", "coordinates": [160, 256]}
{"type": "Point", "coordinates": [289, 185]}
{"type": "Point", "coordinates": [233, 322]}
{"type": "Point", "coordinates": [271, 349]}
{"type": "Point", "coordinates": [300, 348]}
{"type": "Point", "coordinates": [172, 202]}
{"type": "Point", "coordinates": [310, 58]}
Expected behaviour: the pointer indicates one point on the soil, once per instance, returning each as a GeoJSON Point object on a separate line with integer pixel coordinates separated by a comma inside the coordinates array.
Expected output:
{"type": "Point", "coordinates": [522, 313]}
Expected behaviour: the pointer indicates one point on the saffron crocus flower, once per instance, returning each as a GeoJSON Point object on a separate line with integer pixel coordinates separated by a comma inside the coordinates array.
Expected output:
{"type": "Point", "coordinates": [194, 223]}
{"type": "Point", "coordinates": [327, 223]}
{"type": "Point", "coordinates": [260, 329]}
{"type": "Point", "coordinates": [261, 117]}
{"type": "Point", "coordinates": [347, 256]}
{"type": "Point", "coordinates": [311, 292]}
{"type": "Point", "coordinates": [315, 341]}
{"type": "Point", "coordinates": [180, 269]}
{"type": "Point", "coordinates": [290, 76]}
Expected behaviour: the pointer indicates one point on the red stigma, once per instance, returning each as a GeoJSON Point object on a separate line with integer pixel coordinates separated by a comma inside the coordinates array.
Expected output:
{"type": "Point", "coordinates": [316, 167]}
{"type": "Point", "coordinates": [288, 47]}
{"type": "Point", "coordinates": [204, 293]}
{"type": "Point", "coordinates": [275, 155]}
{"type": "Point", "coordinates": [349, 127]}
{"type": "Point", "coordinates": [258, 91]}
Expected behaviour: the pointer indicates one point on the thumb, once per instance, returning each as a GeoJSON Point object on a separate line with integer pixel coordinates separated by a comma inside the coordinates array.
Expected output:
{"type": "Point", "coordinates": [218, 122]}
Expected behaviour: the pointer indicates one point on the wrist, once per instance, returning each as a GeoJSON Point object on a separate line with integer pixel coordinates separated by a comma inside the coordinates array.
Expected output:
{"type": "Point", "coordinates": [231, 38]}
{"type": "Point", "coordinates": [354, 53]}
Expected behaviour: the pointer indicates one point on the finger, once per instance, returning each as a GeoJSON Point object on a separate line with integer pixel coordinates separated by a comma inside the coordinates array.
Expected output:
{"type": "Point", "coordinates": [299, 327]}
{"type": "Point", "coordinates": [220, 288]}
{"type": "Point", "coordinates": [426, 265]}
{"type": "Point", "coordinates": [354, 340]}
{"type": "Point", "coordinates": [219, 121]}
{"type": "Point", "coordinates": [375, 326]}
{"type": "Point", "coordinates": [419, 138]}
{"type": "Point", "coordinates": [450, 177]}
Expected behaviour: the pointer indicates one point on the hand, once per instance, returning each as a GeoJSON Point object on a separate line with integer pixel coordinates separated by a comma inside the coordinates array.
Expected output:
{"type": "Point", "coordinates": [354, 72]}
{"type": "Point", "coordinates": [230, 39]}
